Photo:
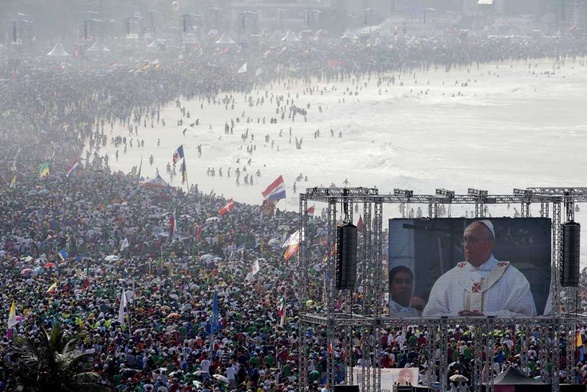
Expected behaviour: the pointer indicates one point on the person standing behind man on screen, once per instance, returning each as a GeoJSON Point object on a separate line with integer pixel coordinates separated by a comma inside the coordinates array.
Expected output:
{"type": "Point", "coordinates": [401, 281]}
{"type": "Point", "coordinates": [481, 285]}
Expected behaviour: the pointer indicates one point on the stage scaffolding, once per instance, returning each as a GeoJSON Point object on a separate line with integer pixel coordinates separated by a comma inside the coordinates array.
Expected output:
{"type": "Point", "coordinates": [344, 322]}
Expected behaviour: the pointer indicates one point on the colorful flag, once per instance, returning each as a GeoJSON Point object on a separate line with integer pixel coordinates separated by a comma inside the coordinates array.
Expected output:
{"type": "Point", "coordinates": [242, 69]}
{"type": "Point", "coordinates": [44, 169]}
{"type": "Point", "coordinates": [227, 208]}
{"type": "Point", "coordinates": [63, 254]}
{"type": "Point", "coordinates": [73, 167]}
{"type": "Point", "coordinates": [52, 289]}
{"type": "Point", "coordinates": [293, 239]}
{"type": "Point", "coordinates": [13, 182]}
{"type": "Point", "coordinates": [275, 191]}
{"type": "Point", "coordinates": [12, 315]}
{"type": "Point", "coordinates": [291, 250]}
{"type": "Point", "coordinates": [310, 211]}
{"type": "Point", "coordinates": [255, 267]}
{"type": "Point", "coordinates": [281, 311]}
{"type": "Point", "coordinates": [292, 244]}
{"type": "Point", "coordinates": [122, 308]}
{"type": "Point", "coordinates": [178, 154]}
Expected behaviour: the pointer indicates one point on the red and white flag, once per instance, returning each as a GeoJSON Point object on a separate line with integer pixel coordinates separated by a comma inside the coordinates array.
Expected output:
{"type": "Point", "coordinates": [199, 232]}
{"type": "Point", "coordinates": [73, 167]}
{"type": "Point", "coordinates": [255, 267]}
{"type": "Point", "coordinates": [310, 211]}
{"type": "Point", "coordinates": [281, 311]}
{"type": "Point", "coordinates": [360, 224]}
{"type": "Point", "coordinates": [227, 208]}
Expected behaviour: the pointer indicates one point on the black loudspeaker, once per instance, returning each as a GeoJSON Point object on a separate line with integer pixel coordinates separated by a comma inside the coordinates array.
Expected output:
{"type": "Point", "coordinates": [572, 388]}
{"type": "Point", "coordinates": [346, 388]}
{"type": "Point", "coordinates": [346, 256]}
{"type": "Point", "coordinates": [571, 238]}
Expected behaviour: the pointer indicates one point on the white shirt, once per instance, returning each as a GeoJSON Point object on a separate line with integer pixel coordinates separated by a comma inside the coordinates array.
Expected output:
{"type": "Point", "coordinates": [509, 296]}
{"type": "Point", "coordinates": [231, 372]}
{"type": "Point", "coordinates": [205, 365]}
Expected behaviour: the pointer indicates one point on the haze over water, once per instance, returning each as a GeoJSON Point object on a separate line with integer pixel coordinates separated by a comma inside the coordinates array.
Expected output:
{"type": "Point", "coordinates": [494, 127]}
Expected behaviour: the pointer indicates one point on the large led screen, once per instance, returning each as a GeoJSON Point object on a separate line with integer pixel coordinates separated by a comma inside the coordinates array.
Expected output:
{"type": "Point", "coordinates": [469, 267]}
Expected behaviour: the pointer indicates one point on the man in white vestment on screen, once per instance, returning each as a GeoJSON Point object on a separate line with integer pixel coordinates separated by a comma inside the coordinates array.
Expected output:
{"type": "Point", "coordinates": [481, 285]}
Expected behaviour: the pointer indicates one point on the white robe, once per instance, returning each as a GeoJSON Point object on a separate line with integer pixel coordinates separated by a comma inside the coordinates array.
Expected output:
{"type": "Point", "coordinates": [507, 295]}
{"type": "Point", "coordinates": [402, 311]}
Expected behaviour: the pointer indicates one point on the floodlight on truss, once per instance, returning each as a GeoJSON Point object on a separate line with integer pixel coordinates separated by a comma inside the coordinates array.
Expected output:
{"type": "Point", "coordinates": [403, 192]}
{"type": "Point", "coordinates": [445, 192]}
{"type": "Point", "coordinates": [477, 192]}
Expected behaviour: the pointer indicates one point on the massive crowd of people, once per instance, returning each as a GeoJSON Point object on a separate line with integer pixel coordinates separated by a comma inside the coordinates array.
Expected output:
{"type": "Point", "coordinates": [71, 244]}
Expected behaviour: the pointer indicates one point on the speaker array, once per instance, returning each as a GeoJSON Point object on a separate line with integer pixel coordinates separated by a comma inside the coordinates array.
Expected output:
{"type": "Point", "coordinates": [571, 238]}
{"type": "Point", "coordinates": [346, 256]}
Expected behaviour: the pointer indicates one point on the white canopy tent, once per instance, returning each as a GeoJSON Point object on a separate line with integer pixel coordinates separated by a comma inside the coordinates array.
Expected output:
{"type": "Point", "coordinates": [290, 37]}
{"type": "Point", "coordinates": [225, 40]}
{"type": "Point", "coordinates": [58, 51]}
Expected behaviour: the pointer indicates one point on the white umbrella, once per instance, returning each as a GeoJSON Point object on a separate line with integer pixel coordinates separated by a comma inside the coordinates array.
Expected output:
{"type": "Point", "coordinates": [274, 242]}
{"type": "Point", "coordinates": [458, 378]}
{"type": "Point", "coordinates": [221, 378]}
{"type": "Point", "coordinates": [162, 370]}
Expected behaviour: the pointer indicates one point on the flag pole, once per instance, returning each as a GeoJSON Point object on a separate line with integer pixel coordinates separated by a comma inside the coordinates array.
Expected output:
{"type": "Point", "coordinates": [129, 318]}
{"type": "Point", "coordinates": [139, 173]}
{"type": "Point", "coordinates": [185, 169]}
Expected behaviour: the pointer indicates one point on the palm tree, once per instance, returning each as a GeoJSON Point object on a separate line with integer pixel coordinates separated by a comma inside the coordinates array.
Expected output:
{"type": "Point", "coordinates": [50, 362]}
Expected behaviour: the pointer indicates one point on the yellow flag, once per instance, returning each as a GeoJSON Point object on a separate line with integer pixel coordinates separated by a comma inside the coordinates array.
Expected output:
{"type": "Point", "coordinates": [44, 169]}
{"type": "Point", "coordinates": [52, 288]}
{"type": "Point", "coordinates": [579, 339]}
{"type": "Point", "coordinates": [12, 315]}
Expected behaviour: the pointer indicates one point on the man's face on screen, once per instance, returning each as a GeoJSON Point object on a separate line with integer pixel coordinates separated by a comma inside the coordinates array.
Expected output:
{"type": "Point", "coordinates": [477, 243]}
